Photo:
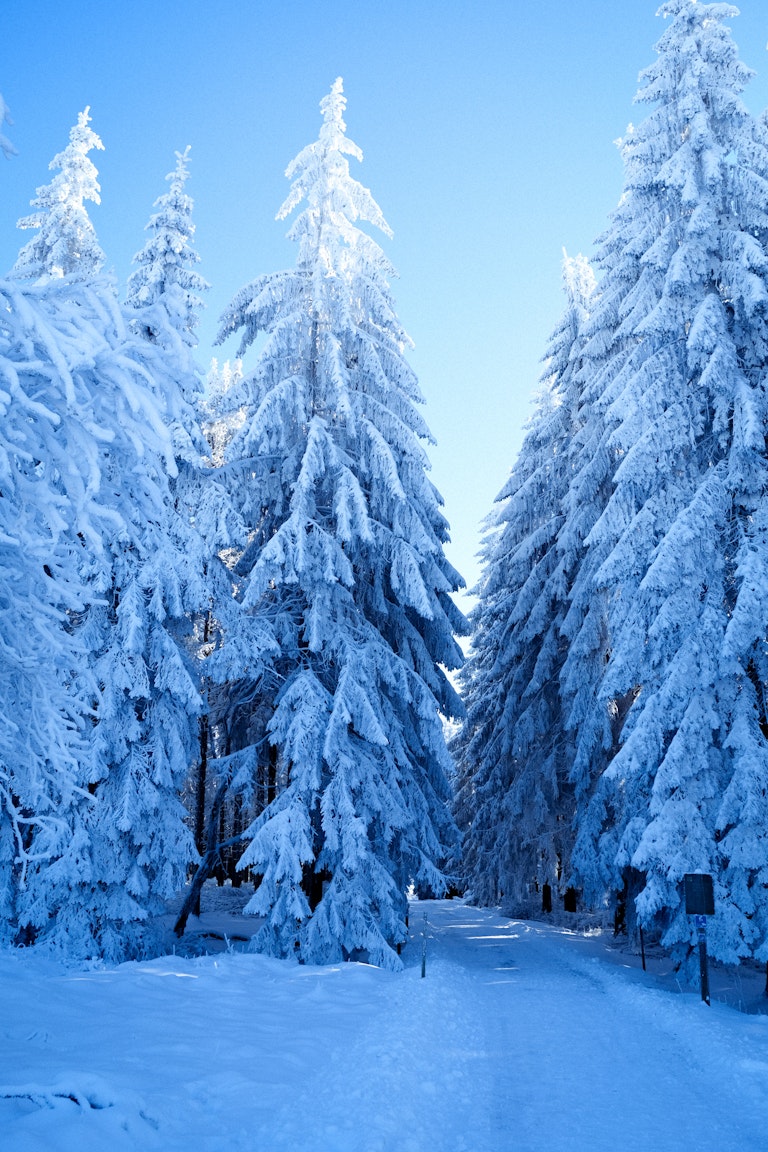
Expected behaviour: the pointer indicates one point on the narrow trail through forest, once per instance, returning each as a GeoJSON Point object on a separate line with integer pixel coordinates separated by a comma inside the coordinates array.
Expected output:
{"type": "Point", "coordinates": [575, 1053]}
{"type": "Point", "coordinates": [517, 1040]}
{"type": "Point", "coordinates": [522, 1037]}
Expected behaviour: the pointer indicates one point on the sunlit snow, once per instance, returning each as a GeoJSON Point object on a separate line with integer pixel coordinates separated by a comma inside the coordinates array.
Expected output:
{"type": "Point", "coordinates": [521, 1037]}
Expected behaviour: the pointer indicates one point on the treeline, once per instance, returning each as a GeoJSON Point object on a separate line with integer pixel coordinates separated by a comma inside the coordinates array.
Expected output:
{"type": "Point", "coordinates": [617, 736]}
{"type": "Point", "coordinates": [227, 616]}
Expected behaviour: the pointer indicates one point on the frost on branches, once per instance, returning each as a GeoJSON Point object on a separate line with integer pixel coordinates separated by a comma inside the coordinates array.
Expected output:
{"type": "Point", "coordinates": [100, 701]}
{"type": "Point", "coordinates": [166, 264]}
{"type": "Point", "coordinates": [345, 561]}
{"type": "Point", "coordinates": [45, 478]}
{"type": "Point", "coordinates": [152, 584]}
{"type": "Point", "coordinates": [71, 482]}
{"type": "Point", "coordinates": [65, 244]}
{"type": "Point", "coordinates": [662, 688]}
{"type": "Point", "coordinates": [680, 537]}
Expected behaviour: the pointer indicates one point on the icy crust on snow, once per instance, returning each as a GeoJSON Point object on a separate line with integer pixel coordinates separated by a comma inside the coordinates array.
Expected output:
{"type": "Point", "coordinates": [521, 1036]}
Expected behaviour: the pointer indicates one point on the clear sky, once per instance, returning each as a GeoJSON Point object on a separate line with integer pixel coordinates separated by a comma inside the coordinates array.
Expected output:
{"type": "Point", "coordinates": [487, 130]}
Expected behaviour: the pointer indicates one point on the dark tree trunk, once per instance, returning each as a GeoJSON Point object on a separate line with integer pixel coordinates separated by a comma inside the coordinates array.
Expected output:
{"type": "Point", "coordinates": [570, 900]}
{"type": "Point", "coordinates": [219, 870]}
{"type": "Point", "coordinates": [312, 884]}
{"type": "Point", "coordinates": [235, 876]}
{"type": "Point", "coordinates": [191, 905]}
{"type": "Point", "coordinates": [202, 780]}
{"type": "Point", "coordinates": [202, 772]}
{"type": "Point", "coordinates": [271, 775]}
{"type": "Point", "coordinates": [633, 884]}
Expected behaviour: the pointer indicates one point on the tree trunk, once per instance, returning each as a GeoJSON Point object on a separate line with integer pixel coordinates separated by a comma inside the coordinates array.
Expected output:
{"type": "Point", "coordinates": [192, 903]}
{"type": "Point", "coordinates": [235, 876]}
{"type": "Point", "coordinates": [202, 779]}
{"type": "Point", "coordinates": [271, 775]}
{"type": "Point", "coordinates": [312, 884]}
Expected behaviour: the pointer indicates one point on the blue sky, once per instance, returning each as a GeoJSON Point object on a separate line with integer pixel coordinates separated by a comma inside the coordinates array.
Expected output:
{"type": "Point", "coordinates": [487, 130]}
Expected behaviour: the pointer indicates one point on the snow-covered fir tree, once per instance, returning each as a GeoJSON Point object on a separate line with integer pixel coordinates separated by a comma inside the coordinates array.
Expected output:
{"type": "Point", "coordinates": [164, 301]}
{"type": "Point", "coordinates": [165, 298]}
{"type": "Point", "coordinates": [146, 731]}
{"type": "Point", "coordinates": [65, 242]}
{"type": "Point", "coordinates": [220, 421]}
{"type": "Point", "coordinates": [345, 562]}
{"type": "Point", "coordinates": [166, 272]}
{"type": "Point", "coordinates": [666, 674]}
{"type": "Point", "coordinates": [48, 480]}
{"type": "Point", "coordinates": [90, 457]}
{"type": "Point", "coordinates": [514, 802]}
{"type": "Point", "coordinates": [106, 840]}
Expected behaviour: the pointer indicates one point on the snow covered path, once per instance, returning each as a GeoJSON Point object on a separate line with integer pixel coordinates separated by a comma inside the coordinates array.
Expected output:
{"type": "Point", "coordinates": [521, 1038]}
{"type": "Point", "coordinates": [574, 1053]}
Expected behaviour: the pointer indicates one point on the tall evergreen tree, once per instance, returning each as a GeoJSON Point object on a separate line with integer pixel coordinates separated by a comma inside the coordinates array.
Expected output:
{"type": "Point", "coordinates": [345, 560]}
{"type": "Point", "coordinates": [165, 299]}
{"type": "Point", "coordinates": [90, 450]}
{"type": "Point", "coordinates": [671, 722]}
{"type": "Point", "coordinates": [106, 837]}
{"type": "Point", "coordinates": [65, 243]}
{"type": "Point", "coordinates": [514, 802]}
{"type": "Point", "coordinates": [166, 272]}
{"type": "Point", "coordinates": [46, 479]}
{"type": "Point", "coordinates": [145, 736]}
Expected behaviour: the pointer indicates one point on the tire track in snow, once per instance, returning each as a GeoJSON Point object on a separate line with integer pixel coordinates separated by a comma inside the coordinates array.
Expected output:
{"type": "Point", "coordinates": [582, 1057]}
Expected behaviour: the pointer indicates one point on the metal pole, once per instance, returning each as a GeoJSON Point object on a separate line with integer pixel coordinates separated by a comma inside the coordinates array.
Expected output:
{"type": "Point", "coordinates": [701, 927]}
{"type": "Point", "coordinates": [424, 948]}
{"type": "Point", "coordinates": [642, 949]}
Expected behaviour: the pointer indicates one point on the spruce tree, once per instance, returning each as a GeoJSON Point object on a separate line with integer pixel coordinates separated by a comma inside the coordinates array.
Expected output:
{"type": "Point", "coordinates": [514, 801]}
{"type": "Point", "coordinates": [145, 738]}
{"type": "Point", "coordinates": [45, 478]}
{"type": "Point", "coordinates": [65, 243]}
{"type": "Point", "coordinates": [165, 300]}
{"type": "Point", "coordinates": [345, 562]}
{"type": "Point", "coordinates": [141, 637]}
{"type": "Point", "coordinates": [671, 722]}
{"type": "Point", "coordinates": [73, 477]}
{"type": "Point", "coordinates": [165, 272]}
{"type": "Point", "coordinates": [99, 832]}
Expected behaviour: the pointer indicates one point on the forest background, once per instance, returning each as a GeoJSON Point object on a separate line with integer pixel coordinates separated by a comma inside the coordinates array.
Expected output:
{"type": "Point", "coordinates": [487, 132]}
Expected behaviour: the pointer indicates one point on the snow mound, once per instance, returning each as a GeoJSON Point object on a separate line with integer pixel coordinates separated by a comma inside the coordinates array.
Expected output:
{"type": "Point", "coordinates": [76, 1109]}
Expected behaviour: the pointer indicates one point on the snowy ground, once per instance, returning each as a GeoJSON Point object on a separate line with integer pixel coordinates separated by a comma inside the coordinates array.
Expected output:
{"type": "Point", "coordinates": [521, 1037]}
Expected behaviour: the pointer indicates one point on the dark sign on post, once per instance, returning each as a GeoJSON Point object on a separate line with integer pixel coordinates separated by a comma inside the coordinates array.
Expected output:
{"type": "Point", "coordinates": [700, 902]}
{"type": "Point", "coordinates": [699, 894]}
